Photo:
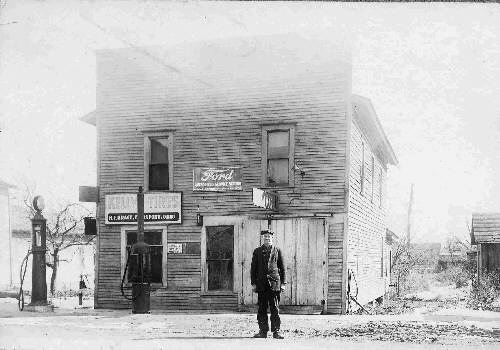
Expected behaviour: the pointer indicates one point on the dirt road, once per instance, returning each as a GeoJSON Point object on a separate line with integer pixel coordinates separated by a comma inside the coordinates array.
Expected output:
{"type": "Point", "coordinates": [104, 329]}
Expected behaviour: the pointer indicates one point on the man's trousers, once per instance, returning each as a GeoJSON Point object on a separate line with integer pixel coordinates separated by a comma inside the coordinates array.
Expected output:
{"type": "Point", "coordinates": [271, 299]}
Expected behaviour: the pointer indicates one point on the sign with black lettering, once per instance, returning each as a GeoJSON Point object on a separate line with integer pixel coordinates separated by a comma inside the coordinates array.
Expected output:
{"type": "Point", "coordinates": [174, 248]}
{"type": "Point", "coordinates": [217, 180]}
{"type": "Point", "coordinates": [159, 208]}
{"type": "Point", "coordinates": [265, 199]}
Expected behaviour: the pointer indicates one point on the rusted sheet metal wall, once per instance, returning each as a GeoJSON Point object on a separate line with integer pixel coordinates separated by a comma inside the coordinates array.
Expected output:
{"type": "Point", "coordinates": [216, 118]}
{"type": "Point", "coordinates": [366, 233]}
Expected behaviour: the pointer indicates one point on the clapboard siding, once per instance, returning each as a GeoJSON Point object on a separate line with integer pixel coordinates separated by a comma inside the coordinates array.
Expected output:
{"type": "Point", "coordinates": [336, 263]}
{"type": "Point", "coordinates": [366, 232]}
{"type": "Point", "coordinates": [216, 117]}
{"type": "Point", "coordinates": [486, 227]}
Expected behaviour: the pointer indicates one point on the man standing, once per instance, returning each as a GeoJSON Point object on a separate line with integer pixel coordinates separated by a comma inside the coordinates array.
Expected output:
{"type": "Point", "coordinates": [268, 280]}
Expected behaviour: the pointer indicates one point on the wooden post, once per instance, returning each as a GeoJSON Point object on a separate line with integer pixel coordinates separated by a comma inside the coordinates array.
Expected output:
{"type": "Point", "coordinates": [140, 215]}
{"type": "Point", "coordinates": [408, 227]}
{"type": "Point", "coordinates": [479, 262]}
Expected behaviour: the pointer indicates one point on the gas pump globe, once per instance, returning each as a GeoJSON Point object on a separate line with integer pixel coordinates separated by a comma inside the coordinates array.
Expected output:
{"type": "Point", "coordinates": [38, 248]}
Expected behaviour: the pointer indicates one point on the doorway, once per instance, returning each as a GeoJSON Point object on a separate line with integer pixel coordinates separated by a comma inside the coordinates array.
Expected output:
{"type": "Point", "coordinates": [304, 246]}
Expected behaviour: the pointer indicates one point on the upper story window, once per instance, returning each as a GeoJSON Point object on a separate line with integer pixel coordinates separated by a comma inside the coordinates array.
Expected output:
{"type": "Point", "coordinates": [362, 169]}
{"type": "Point", "coordinates": [373, 176]}
{"type": "Point", "coordinates": [158, 160]}
{"type": "Point", "coordinates": [380, 188]}
{"type": "Point", "coordinates": [278, 155]}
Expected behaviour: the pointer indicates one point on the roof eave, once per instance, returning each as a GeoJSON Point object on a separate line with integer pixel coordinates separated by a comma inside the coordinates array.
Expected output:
{"type": "Point", "coordinates": [90, 118]}
{"type": "Point", "coordinates": [387, 149]}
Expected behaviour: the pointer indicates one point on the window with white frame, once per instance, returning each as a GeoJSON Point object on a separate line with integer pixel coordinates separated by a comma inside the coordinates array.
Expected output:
{"type": "Point", "coordinates": [362, 169]}
{"type": "Point", "coordinates": [373, 176]}
{"type": "Point", "coordinates": [380, 187]}
{"type": "Point", "coordinates": [382, 258]}
{"type": "Point", "coordinates": [278, 155]}
{"type": "Point", "coordinates": [220, 257]}
{"type": "Point", "coordinates": [158, 161]}
{"type": "Point", "coordinates": [156, 238]}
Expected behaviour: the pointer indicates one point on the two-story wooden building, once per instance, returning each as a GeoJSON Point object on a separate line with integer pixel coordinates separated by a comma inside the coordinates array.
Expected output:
{"type": "Point", "coordinates": [229, 137]}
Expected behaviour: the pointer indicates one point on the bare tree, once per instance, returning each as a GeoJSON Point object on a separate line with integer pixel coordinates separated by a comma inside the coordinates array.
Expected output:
{"type": "Point", "coordinates": [403, 260]}
{"type": "Point", "coordinates": [64, 230]}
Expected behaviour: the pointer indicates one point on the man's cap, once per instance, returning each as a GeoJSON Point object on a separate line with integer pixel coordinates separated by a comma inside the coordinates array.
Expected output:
{"type": "Point", "coordinates": [263, 232]}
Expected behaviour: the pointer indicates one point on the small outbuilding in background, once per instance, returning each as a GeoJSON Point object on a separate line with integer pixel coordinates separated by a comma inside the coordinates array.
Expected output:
{"type": "Point", "coordinates": [486, 235]}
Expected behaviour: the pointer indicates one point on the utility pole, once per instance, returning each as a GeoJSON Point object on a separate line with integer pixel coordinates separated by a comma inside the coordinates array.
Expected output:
{"type": "Point", "coordinates": [10, 239]}
{"type": "Point", "coordinates": [408, 227]}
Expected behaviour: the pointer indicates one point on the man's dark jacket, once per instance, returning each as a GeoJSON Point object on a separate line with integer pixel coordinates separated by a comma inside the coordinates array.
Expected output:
{"type": "Point", "coordinates": [268, 273]}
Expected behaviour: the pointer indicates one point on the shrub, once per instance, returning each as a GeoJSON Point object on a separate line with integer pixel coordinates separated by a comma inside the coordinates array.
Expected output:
{"type": "Point", "coordinates": [455, 274]}
{"type": "Point", "coordinates": [486, 292]}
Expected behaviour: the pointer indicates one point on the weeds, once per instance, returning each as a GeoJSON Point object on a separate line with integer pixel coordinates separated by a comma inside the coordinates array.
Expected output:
{"type": "Point", "coordinates": [485, 292]}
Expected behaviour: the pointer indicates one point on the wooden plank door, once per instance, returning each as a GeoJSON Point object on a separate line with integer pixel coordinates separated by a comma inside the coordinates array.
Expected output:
{"type": "Point", "coordinates": [303, 243]}
{"type": "Point", "coordinates": [310, 262]}
{"type": "Point", "coordinates": [285, 234]}
{"type": "Point", "coordinates": [249, 240]}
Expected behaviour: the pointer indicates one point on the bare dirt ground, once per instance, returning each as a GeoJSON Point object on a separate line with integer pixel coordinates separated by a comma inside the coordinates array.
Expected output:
{"type": "Point", "coordinates": [407, 324]}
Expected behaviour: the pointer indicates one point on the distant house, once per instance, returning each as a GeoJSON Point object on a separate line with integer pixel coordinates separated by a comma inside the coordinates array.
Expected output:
{"type": "Point", "coordinates": [451, 252]}
{"type": "Point", "coordinates": [6, 274]}
{"type": "Point", "coordinates": [75, 260]}
{"type": "Point", "coordinates": [247, 134]}
{"type": "Point", "coordinates": [485, 234]}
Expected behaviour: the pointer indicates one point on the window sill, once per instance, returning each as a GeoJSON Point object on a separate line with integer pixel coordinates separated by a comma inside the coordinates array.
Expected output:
{"type": "Point", "coordinates": [277, 187]}
{"type": "Point", "coordinates": [152, 286]}
{"type": "Point", "coordinates": [218, 293]}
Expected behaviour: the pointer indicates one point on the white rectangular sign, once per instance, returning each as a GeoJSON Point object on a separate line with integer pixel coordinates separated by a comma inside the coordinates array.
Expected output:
{"type": "Point", "coordinates": [265, 199]}
{"type": "Point", "coordinates": [159, 208]}
{"type": "Point", "coordinates": [174, 248]}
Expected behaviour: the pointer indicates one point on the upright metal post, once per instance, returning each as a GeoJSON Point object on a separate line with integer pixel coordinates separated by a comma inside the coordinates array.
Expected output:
{"type": "Point", "coordinates": [39, 247]}
{"type": "Point", "coordinates": [140, 215]}
{"type": "Point", "coordinates": [141, 252]}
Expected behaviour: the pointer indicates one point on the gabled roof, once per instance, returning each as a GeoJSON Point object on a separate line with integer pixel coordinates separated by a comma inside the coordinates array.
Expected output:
{"type": "Point", "coordinates": [365, 116]}
{"type": "Point", "coordinates": [4, 186]}
{"type": "Point", "coordinates": [485, 228]}
{"type": "Point", "coordinates": [90, 118]}
{"type": "Point", "coordinates": [390, 237]}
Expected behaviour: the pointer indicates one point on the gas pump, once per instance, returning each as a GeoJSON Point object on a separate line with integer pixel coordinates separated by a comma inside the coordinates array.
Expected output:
{"type": "Point", "coordinates": [38, 250]}
{"type": "Point", "coordinates": [139, 263]}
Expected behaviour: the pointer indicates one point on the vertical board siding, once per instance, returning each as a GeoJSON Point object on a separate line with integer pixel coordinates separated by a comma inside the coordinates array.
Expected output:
{"type": "Point", "coordinates": [302, 243]}
{"type": "Point", "coordinates": [366, 221]}
{"type": "Point", "coordinates": [213, 125]}
{"type": "Point", "coordinates": [336, 263]}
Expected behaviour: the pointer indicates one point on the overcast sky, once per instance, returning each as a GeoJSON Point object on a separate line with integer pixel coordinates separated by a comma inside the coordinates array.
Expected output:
{"type": "Point", "coordinates": [432, 72]}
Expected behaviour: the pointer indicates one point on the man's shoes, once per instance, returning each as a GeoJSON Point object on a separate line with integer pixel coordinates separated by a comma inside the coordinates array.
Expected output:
{"type": "Point", "coordinates": [260, 335]}
{"type": "Point", "coordinates": [277, 335]}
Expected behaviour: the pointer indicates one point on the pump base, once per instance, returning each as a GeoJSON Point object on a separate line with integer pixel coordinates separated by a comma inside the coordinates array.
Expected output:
{"type": "Point", "coordinates": [39, 308]}
{"type": "Point", "coordinates": [141, 302]}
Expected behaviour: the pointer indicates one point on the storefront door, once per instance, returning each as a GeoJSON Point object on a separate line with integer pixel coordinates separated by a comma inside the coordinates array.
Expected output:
{"type": "Point", "coordinates": [304, 246]}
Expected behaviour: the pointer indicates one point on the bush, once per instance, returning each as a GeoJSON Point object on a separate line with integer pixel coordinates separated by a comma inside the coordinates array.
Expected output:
{"type": "Point", "coordinates": [455, 274]}
{"type": "Point", "coordinates": [486, 292]}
